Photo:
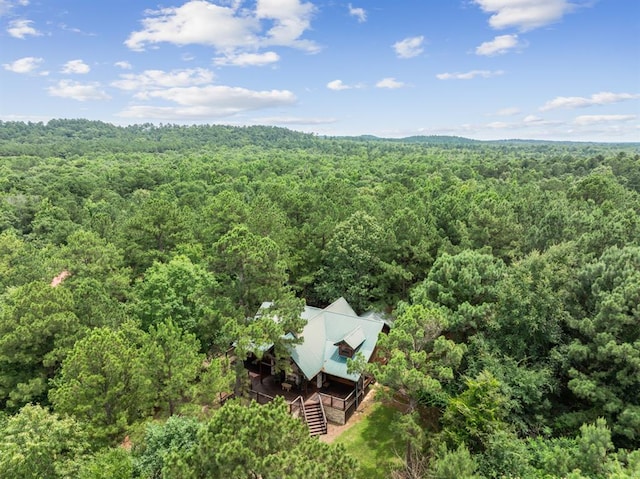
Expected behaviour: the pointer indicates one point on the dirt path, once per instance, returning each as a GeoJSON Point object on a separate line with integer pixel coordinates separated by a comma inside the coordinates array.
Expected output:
{"type": "Point", "coordinates": [364, 409]}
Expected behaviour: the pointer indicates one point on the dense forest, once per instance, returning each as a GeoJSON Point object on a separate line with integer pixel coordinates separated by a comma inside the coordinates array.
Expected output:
{"type": "Point", "coordinates": [131, 258]}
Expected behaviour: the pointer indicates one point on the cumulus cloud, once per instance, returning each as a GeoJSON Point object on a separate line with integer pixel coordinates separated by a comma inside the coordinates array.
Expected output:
{"type": "Point", "coordinates": [75, 66]}
{"type": "Point", "coordinates": [124, 65]}
{"type": "Point", "coordinates": [157, 79]}
{"type": "Point", "coordinates": [358, 12]}
{"type": "Point", "coordinates": [228, 28]}
{"type": "Point", "coordinates": [21, 28]}
{"type": "Point", "coordinates": [248, 59]}
{"type": "Point", "coordinates": [524, 14]}
{"type": "Point", "coordinates": [78, 91]}
{"type": "Point", "coordinates": [23, 65]}
{"type": "Point", "coordinates": [583, 120]}
{"type": "Point", "coordinates": [291, 19]}
{"type": "Point", "coordinates": [208, 101]}
{"type": "Point", "coordinates": [390, 83]}
{"type": "Point", "coordinates": [469, 75]}
{"type": "Point", "coordinates": [498, 46]}
{"type": "Point", "coordinates": [409, 47]}
{"type": "Point", "coordinates": [338, 85]}
{"type": "Point", "coordinates": [602, 98]}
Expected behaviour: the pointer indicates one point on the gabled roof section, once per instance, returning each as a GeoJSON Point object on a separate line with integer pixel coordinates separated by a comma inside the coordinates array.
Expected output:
{"type": "Point", "coordinates": [340, 306]}
{"type": "Point", "coordinates": [354, 338]}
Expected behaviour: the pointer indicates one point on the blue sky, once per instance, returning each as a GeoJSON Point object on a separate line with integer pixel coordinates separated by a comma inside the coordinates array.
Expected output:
{"type": "Point", "coordinates": [485, 69]}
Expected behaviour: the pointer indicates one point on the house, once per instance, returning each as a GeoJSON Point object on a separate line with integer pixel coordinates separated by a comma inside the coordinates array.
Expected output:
{"type": "Point", "coordinates": [330, 337]}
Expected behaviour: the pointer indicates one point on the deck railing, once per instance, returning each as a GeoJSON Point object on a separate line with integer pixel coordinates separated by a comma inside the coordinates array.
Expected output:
{"type": "Point", "coordinates": [341, 404]}
{"type": "Point", "coordinates": [324, 417]}
{"type": "Point", "coordinates": [260, 398]}
{"type": "Point", "coordinates": [296, 407]}
{"type": "Point", "coordinates": [344, 404]}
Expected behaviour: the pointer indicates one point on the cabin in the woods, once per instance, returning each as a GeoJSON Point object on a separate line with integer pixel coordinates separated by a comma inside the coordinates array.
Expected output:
{"type": "Point", "coordinates": [318, 364]}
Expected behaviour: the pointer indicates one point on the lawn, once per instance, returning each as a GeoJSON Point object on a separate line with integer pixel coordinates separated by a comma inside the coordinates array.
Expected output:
{"type": "Point", "coordinates": [371, 442]}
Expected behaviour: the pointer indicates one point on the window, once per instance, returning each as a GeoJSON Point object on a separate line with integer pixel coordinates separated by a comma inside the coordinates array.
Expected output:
{"type": "Point", "coordinates": [345, 351]}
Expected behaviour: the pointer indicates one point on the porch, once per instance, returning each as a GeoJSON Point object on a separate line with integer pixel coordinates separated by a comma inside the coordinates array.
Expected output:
{"type": "Point", "coordinates": [340, 400]}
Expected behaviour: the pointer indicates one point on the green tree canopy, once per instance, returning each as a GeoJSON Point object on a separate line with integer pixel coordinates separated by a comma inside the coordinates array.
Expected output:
{"type": "Point", "coordinates": [37, 329]}
{"type": "Point", "coordinates": [38, 444]}
{"type": "Point", "coordinates": [259, 441]}
{"type": "Point", "coordinates": [104, 383]}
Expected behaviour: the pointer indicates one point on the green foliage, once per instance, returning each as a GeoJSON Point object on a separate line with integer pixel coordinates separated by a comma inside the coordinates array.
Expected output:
{"type": "Point", "coordinates": [154, 230]}
{"type": "Point", "coordinates": [215, 380]}
{"type": "Point", "coordinates": [252, 268]}
{"type": "Point", "coordinates": [603, 357]}
{"type": "Point", "coordinates": [467, 285]}
{"type": "Point", "coordinates": [176, 437]}
{"type": "Point", "coordinates": [420, 361]}
{"type": "Point", "coordinates": [37, 329]}
{"type": "Point", "coordinates": [476, 414]}
{"type": "Point", "coordinates": [38, 444]}
{"type": "Point", "coordinates": [112, 463]}
{"type": "Point", "coordinates": [259, 441]}
{"type": "Point", "coordinates": [104, 382]}
{"type": "Point", "coordinates": [183, 291]}
{"type": "Point", "coordinates": [355, 263]}
{"type": "Point", "coordinates": [173, 363]}
{"type": "Point", "coordinates": [454, 464]}
{"type": "Point", "coordinates": [587, 455]}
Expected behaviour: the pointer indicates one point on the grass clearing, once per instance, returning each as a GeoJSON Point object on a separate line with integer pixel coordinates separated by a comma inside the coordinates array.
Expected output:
{"type": "Point", "coordinates": [371, 441]}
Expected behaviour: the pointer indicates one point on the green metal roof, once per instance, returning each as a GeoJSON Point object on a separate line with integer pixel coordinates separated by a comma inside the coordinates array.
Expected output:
{"type": "Point", "coordinates": [324, 330]}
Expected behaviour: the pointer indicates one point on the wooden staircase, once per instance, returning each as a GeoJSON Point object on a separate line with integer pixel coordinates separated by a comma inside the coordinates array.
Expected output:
{"type": "Point", "coordinates": [314, 416]}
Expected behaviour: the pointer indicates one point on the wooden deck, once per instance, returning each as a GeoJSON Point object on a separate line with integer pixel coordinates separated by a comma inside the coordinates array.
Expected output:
{"type": "Point", "coordinates": [269, 386]}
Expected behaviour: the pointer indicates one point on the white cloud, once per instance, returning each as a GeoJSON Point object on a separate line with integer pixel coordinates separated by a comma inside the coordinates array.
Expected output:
{"type": "Point", "coordinates": [498, 125]}
{"type": "Point", "coordinates": [248, 59]}
{"type": "Point", "coordinates": [498, 46]}
{"type": "Point", "coordinates": [602, 98]}
{"type": "Point", "coordinates": [209, 101]}
{"type": "Point", "coordinates": [23, 65]}
{"type": "Point", "coordinates": [291, 18]}
{"type": "Point", "coordinates": [228, 28]}
{"type": "Point", "coordinates": [75, 66]}
{"type": "Point", "coordinates": [337, 85]}
{"type": "Point", "coordinates": [124, 65]}
{"type": "Point", "coordinates": [524, 14]}
{"type": "Point", "coordinates": [225, 97]}
{"type": "Point", "coordinates": [595, 119]}
{"type": "Point", "coordinates": [409, 47]}
{"type": "Point", "coordinates": [156, 79]}
{"type": "Point", "coordinates": [390, 82]}
{"type": "Point", "coordinates": [21, 28]}
{"type": "Point", "coordinates": [78, 91]}
{"type": "Point", "coordinates": [196, 22]}
{"type": "Point", "coordinates": [358, 12]}
{"type": "Point", "coordinates": [511, 111]}
{"type": "Point", "coordinates": [533, 120]}
{"type": "Point", "coordinates": [7, 5]}
{"type": "Point", "coordinates": [469, 75]}
{"type": "Point", "coordinates": [290, 120]}
{"type": "Point", "coordinates": [67, 28]}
